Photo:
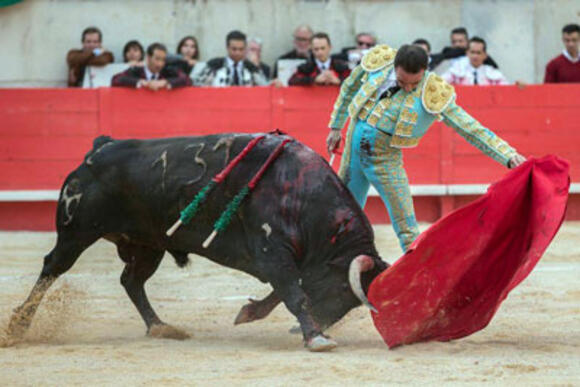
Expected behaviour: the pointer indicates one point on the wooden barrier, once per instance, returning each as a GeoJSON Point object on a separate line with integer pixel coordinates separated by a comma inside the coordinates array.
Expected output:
{"type": "Point", "coordinates": [45, 133]}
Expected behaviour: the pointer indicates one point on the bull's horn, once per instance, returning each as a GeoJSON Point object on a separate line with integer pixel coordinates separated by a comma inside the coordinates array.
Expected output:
{"type": "Point", "coordinates": [359, 265]}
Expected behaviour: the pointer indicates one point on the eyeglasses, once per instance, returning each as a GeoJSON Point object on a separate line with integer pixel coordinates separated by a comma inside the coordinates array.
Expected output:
{"type": "Point", "coordinates": [301, 39]}
{"type": "Point", "coordinates": [364, 44]}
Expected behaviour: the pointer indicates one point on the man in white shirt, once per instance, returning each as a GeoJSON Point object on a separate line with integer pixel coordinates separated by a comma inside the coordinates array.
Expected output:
{"type": "Point", "coordinates": [234, 69]}
{"type": "Point", "coordinates": [471, 70]}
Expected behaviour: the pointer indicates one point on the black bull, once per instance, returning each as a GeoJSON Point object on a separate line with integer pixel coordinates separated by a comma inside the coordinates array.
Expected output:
{"type": "Point", "coordinates": [299, 230]}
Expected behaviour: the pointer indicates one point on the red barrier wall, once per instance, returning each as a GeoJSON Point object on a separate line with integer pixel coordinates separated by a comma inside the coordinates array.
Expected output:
{"type": "Point", "coordinates": [44, 133]}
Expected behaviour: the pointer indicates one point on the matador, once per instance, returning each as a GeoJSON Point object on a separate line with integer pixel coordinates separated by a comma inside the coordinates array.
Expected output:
{"type": "Point", "coordinates": [392, 100]}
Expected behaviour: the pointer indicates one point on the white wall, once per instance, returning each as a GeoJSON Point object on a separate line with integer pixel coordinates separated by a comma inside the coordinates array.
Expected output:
{"type": "Point", "coordinates": [35, 35]}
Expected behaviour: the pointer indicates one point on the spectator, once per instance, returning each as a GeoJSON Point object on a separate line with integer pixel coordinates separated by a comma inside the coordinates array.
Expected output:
{"type": "Point", "coordinates": [302, 36]}
{"type": "Point", "coordinates": [92, 54]}
{"type": "Point", "coordinates": [254, 55]}
{"type": "Point", "coordinates": [353, 55]}
{"type": "Point", "coordinates": [424, 44]}
{"type": "Point", "coordinates": [187, 58]}
{"type": "Point", "coordinates": [566, 67]}
{"type": "Point", "coordinates": [133, 53]}
{"type": "Point", "coordinates": [459, 37]}
{"type": "Point", "coordinates": [474, 71]}
{"type": "Point", "coordinates": [154, 75]}
{"type": "Point", "coordinates": [323, 70]}
{"type": "Point", "coordinates": [233, 70]}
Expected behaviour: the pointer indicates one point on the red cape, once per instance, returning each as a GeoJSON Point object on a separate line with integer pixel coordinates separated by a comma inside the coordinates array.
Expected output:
{"type": "Point", "coordinates": [456, 274]}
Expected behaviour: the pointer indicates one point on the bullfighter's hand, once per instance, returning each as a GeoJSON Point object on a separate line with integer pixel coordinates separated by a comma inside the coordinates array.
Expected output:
{"type": "Point", "coordinates": [516, 161]}
{"type": "Point", "coordinates": [333, 140]}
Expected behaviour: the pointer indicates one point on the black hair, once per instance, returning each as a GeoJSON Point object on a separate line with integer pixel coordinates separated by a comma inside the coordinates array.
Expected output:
{"type": "Point", "coordinates": [411, 58]}
{"type": "Point", "coordinates": [185, 39]}
{"type": "Point", "coordinates": [92, 30]}
{"type": "Point", "coordinates": [155, 46]}
{"type": "Point", "coordinates": [129, 45]}
{"type": "Point", "coordinates": [321, 35]}
{"type": "Point", "coordinates": [571, 28]}
{"type": "Point", "coordinates": [423, 41]}
{"type": "Point", "coordinates": [477, 39]}
{"type": "Point", "coordinates": [235, 35]}
{"type": "Point", "coordinates": [460, 30]}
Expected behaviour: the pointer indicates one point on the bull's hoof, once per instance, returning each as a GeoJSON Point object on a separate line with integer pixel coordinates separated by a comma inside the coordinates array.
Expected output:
{"type": "Point", "coordinates": [17, 327]}
{"type": "Point", "coordinates": [320, 344]}
{"type": "Point", "coordinates": [164, 331]}
{"type": "Point", "coordinates": [246, 314]}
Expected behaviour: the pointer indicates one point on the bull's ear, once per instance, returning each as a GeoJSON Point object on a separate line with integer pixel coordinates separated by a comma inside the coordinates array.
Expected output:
{"type": "Point", "coordinates": [341, 263]}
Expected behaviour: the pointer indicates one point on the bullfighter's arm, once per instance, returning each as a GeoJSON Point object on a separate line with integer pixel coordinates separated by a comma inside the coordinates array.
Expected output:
{"type": "Point", "coordinates": [478, 135]}
{"type": "Point", "coordinates": [347, 91]}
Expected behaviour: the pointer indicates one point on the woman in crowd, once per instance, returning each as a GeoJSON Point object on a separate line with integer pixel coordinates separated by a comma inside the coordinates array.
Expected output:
{"type": "Point", "coordinates": [188, 49]}
{"type": "Point", "coordinates": [133, 53]}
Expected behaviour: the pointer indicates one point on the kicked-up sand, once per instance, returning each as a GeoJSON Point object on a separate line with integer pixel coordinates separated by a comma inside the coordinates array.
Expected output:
{"type": "Point", "coordinates": [87, 331]}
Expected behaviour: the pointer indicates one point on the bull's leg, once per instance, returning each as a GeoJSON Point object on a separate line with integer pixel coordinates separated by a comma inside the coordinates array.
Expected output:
{"type": "Point", "coordinates": [67, 250]}
{"type": "Point", "coordinates": [285, 279]}
{"type": "Point", "coordinates": [141, 263]}
{"type": "Point", "coordinates": [257, 309]}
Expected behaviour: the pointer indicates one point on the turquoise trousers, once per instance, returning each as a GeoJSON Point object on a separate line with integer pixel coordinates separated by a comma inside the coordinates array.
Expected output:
{"type": "Point", "coordinates": [373, 161]}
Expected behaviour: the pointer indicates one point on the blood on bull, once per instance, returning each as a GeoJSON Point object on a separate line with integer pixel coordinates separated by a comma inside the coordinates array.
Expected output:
{"type": "Point", "coordinates": [299, 229]}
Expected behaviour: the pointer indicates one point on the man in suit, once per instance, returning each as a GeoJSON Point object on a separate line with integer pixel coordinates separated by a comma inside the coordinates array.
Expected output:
{"type": "Point", "coordinates": [323, 70]}
{"type": "Point", "coordinates": [392, 101]}
{"type": "Point", "coordinates": [154, 75]}
{"type": "Point", "coordinates": [234, 69]}
{"type": "Point", "coordinates": [92, 54]}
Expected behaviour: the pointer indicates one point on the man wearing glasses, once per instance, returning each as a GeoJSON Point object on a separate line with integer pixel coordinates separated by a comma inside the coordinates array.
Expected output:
{"type": "Point", "coordinates": [302, 36]}
{"type": "Point", "coordinates": [364, 42]}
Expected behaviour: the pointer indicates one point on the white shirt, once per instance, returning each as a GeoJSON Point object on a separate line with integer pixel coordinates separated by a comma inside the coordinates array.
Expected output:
{"type": "Point", "coordinates": [389, 82]}
{"type": "Point", "coordinates": [239, 68]}
{"type": "Point", "coordinates": [323, 65]}
{"type": "Point", "coordinates": [149, 75]}
{"type": "Point", "coordinates": [569, 57]}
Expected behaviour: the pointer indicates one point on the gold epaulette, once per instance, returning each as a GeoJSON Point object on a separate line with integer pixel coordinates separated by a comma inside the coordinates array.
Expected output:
{"type": "Point", "coordinates": [378, 57]}
{"type": "Point", "coordinates": [437, 94]}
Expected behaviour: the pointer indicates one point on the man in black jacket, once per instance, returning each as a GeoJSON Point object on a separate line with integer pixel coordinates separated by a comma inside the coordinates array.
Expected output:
{"type": "Point", "coordinates": [459, 43]}
{"type": "Point", "coordinates": [154, 75]}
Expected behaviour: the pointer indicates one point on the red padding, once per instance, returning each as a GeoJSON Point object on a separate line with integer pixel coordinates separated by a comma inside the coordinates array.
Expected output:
{"type": "Point", "coordinates": [460, 270]}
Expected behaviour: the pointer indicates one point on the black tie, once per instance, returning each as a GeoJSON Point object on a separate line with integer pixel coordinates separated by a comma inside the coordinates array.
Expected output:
{"type": "Point", "coordinates": [236, 75]}
{"type": "Point", "coordinates": [390, 92]}
{"type": "Point", "coordinates": [475, 77]}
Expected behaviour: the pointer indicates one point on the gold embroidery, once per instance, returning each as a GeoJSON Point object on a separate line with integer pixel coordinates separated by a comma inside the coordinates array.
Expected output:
{"type": "Point", "coordinates": [437, 94]}
{"type": "Point", "coordinates": [409, 116]}
{"type": "Point", "coordinates": [378, 57]}
{"type": "Point", "coordinates": [403, 142]}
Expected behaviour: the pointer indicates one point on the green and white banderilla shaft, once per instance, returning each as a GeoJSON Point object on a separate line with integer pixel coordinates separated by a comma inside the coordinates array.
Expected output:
{"type": "Point", "coordinates": [233, 206]}
{"type": "Point", "coordinates": [189, 212]}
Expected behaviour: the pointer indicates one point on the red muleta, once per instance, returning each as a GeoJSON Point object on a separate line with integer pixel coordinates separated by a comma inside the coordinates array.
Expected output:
{"type": "Point", "coordinates": [458, 272]}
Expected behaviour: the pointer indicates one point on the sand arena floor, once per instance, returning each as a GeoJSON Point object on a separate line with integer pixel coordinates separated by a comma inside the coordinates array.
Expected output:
{"type": "Point", "coordinates": [87, 332]}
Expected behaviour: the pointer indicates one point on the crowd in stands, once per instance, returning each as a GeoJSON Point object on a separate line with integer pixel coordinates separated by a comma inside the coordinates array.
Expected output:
{"type": "Point", "coordinates": [311, 62]}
